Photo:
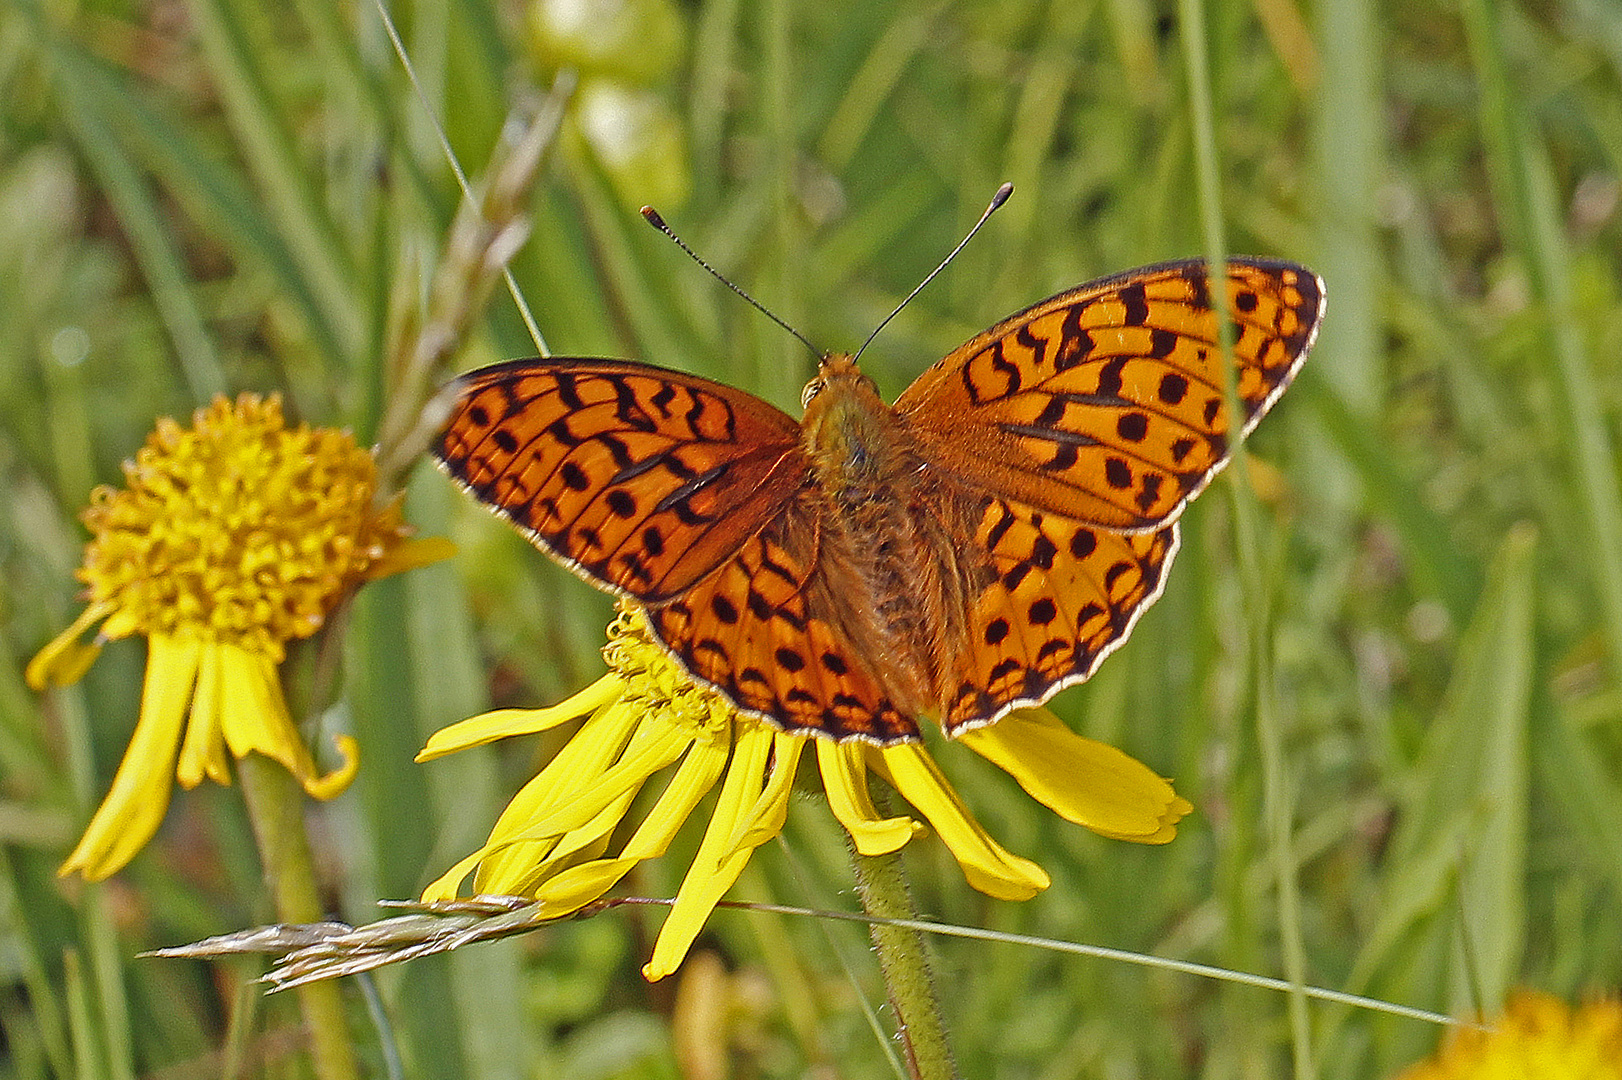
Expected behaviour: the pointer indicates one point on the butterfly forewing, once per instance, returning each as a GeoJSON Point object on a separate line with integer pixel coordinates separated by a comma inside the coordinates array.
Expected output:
{"type": "Point", "coordinates": [641, 479]}
{"type": "Point", "coordinates": [1106, 402]}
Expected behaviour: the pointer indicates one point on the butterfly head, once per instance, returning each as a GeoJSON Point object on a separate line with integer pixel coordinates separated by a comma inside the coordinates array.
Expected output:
{"type": "Point", "coordinates": [848, 429]}
{"type": "Point", "coordinates": [838, 371]}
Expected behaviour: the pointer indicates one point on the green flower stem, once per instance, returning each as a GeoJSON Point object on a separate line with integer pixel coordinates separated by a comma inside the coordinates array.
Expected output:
{"type": "Point", "coordinates": [276, 808]}
{"type": "Point", "coordinates": [882, 884]}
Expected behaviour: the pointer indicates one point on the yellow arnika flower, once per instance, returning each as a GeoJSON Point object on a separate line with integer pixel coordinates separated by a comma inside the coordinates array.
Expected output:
{"type": "Point", "coordinates": [1537, 1038]}
{"type": "Point", "coordinates": [229, 539]}
{"type": "Point", "coordinates": [646, 715]}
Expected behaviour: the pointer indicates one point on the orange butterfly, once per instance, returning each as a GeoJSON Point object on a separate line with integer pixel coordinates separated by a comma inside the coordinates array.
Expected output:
{"type": "Point", "coordinates": [974, 548]}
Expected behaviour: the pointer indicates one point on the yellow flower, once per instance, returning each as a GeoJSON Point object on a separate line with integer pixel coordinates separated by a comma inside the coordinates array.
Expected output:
{"type": "Point", "coordinates": [229, 540]}
{"type": "Point", "coordinates": [1537, 1038]}
{"type": "Point", "coordinates": [646, 715]}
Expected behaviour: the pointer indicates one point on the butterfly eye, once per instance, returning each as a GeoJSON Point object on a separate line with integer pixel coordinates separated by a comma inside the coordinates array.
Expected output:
{"type": "Point", "coordinates": [812, 389]}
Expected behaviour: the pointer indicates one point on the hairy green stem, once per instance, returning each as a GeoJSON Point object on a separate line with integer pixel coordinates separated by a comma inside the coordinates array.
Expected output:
{"type": "Point", "coordinates": [881, 882]}
{"type": "Point", "coordinates": [276, 809]}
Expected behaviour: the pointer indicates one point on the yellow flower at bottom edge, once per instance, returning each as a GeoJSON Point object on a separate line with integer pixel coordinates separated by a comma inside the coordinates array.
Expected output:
{"type": "Point", "coordinates": [229, 539]}
{"type": "Point", "coordinates": [1537, 1038]}
{"type": "Point", "coordinates": [552, 841]}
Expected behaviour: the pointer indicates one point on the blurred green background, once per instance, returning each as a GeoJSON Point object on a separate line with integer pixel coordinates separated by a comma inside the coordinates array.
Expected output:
{"type": "Point", "coordinates": [216, 195]}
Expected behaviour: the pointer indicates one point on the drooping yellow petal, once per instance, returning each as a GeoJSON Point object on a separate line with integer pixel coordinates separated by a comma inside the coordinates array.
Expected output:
{"type": "Point", "coordinates": [331, 785]}
{"type": "Point", "coordinates": [135, 804]}
{"type": "Point", "coordinates": [446, 885]}
{"type": "Point", "coordinates": [573, 772]}
{"type": "Point", "coordinates": [65, 659]}
{"type": "Point", "coordinates": [652, 747]}
{"type": "Point", "coordinates": [765, 818]}
{"type": "Point", "coordinates": [844, 778]}
{"type": "Point", "coordinates": [202, 753]}
{"type": "Point", "coordinates": [490, 726]}
{"type": "Point", "coordinates": [568, 890]}
{"type": "Point", "coordinates": [986, 864]}
{"type": "Point", "coordinates": [1089, 783]}
{"type": "Point", "coordinates": [574, 888]}
{"type": "Point", "coordinates": [515, 844]}
{"type": "Point", "coordinates": [718, 863]}
{"type": "Point", "coordinates": [256, 720]}
{"type": "Point", "coordinates": [699, 771]}
{"type": "Point", "coordinates": [584, 843]}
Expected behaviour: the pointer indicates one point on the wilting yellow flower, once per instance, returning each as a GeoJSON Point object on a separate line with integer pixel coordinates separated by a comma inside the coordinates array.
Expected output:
{"type": "Point", "coordinates": [646, 715]}
{"type": "Point", "coordinates": [1537, 1038]}
{"type": "Point", "coordinates": [229, 540]}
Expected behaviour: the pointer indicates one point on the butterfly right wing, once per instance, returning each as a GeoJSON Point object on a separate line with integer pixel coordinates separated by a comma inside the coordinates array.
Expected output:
{"type": "Point", "coordinates": [1059, 595]}
{"type": "Point", "coordinates": [640, 479]}
{"type": "Point", "coordinates": [1106, 402]}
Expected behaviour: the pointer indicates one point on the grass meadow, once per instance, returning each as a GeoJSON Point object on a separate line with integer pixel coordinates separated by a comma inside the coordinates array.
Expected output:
{"type": "Point", "coordinates": [1386, 669]}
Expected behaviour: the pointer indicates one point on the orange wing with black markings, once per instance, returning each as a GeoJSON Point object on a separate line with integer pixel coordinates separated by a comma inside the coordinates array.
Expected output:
{"type": "Point", "coordinates": [640, 479]}
{"type": "Point", "coordinates": [752, 631]}
{"type": "Point", "coordinates": [1062, 596]}
{"type": "Point", "coordinates": [1106, 402]}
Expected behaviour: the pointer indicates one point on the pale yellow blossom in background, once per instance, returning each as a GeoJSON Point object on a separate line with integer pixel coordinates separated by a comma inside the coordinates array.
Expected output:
{"type": "Point", "coordinates": [1538, 1037]}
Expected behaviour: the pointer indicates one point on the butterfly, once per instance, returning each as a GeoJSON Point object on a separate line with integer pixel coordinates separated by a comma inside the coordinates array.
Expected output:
{"type": "Point", "coordinates": [972, 549]}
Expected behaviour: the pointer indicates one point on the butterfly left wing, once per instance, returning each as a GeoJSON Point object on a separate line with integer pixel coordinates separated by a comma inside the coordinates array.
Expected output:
{"type": "Point", "coordinates": [684, 494]}
{"type": "Point", "coordinates": [752, 630]}
{"type": "Point", "coordinates": [640, 479]}
{"type": "Point", "coordinates": [1106, 402]}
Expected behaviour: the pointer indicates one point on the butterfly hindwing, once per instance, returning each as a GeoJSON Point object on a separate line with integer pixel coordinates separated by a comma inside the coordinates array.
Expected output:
{"type": "Point", "coordinates": [749, 631]}
{"type": "Point", "coordinates": [1062, 596]}
{"type": "Point", "coordinates": [641, 479]}
{"type": "Point", "coordinates": [1106, 402]}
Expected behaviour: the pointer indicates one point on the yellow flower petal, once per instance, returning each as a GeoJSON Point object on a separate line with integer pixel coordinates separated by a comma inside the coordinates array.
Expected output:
{"type": "Point", "coordinates": [490, 726]}
{"type": "Point", "coordinates": [652, 748]}
{"type": "Point", "coordinates": [254, 719]}
{"type": "Point", "coordinates": [693, 780]}
{"type": "Point", "coordinates": [573, 771]}
{"type": "Point", "coordinates": [1089, 783]}
{"type": "Point", "coordinates": [411, 554]}
{"type": "Point", "coordinates": [718, 862]}
{"type": "Point", "coordinates": [986, 864]}
{"type": "Point", "coordinates": [448, 884]}
{"type": "Point", "coordinates": [202, 753]}
{"type": "Point", "coordinates": [65, 660]}
{"type": "Point", "coordinates": [765, 818]}
{"type": "Point", "coordinates": [135, 804]}
{"type": "Point", "coordinates": [515, 843]}
{"type": "Point", "coordinates": [578, 886]}
{"type": "Point", "coordinates": [844, 778]}
{"type": "Point", "coordinates": [518, 877]}
{"type": "Point", "coordinates": [336, 782]}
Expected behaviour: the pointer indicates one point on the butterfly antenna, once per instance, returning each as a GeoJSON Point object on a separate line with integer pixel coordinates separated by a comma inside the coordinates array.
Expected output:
{"type": "Point", "coordinates": [659, 223]}
{"type": "Point", "coordinates": [996, 201]}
